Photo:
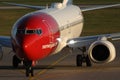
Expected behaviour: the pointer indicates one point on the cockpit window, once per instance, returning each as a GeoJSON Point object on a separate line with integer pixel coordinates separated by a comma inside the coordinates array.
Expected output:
{"type": "Point", "coordinates": [20, 31]}
{"type": "Point", "coordinates": [30, 31]}
{"type": "Point", "coordinates": [39, 31]}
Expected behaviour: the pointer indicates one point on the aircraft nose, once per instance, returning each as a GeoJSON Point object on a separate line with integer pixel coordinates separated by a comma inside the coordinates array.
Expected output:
{"type": "Point", "coordinates": [29, 47]}
{"type": "Point", "coordinates": [32, 47]}
{"type": "Point", "coordinates": [36, 36]}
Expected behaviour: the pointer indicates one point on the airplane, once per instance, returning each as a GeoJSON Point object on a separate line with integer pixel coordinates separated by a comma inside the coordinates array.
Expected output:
{"type": "Point", "coordinates": [48, 30]}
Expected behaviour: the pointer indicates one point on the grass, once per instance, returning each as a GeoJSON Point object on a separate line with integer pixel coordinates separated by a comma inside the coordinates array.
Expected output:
{"type": "Point", "coordinates": [8, 18]}
{"type": "Point", "coordinates": [44, 2]}
{"type": "Point", "coordinates": [102, 21]}
{"type": "Point", "coordinates": [96, 22]}
{"type": "Point", "coordinates": [96, 1]}
{"type": "Point", "coordinates": [31, 2]}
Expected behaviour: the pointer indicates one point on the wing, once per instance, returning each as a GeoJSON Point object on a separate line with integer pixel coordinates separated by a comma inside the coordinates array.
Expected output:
{"type": "Point", "coordinates": [27, 6]}
{"type": "Point", "coordinates": [43, 7]}
{"type": "Point", "coordinates": [88, 40]}
{"type": "Point", "coordinates": [99, 7]}
{"type": "Point", "coordinates": [5, 41]}
{"type": "Point", "coordinates": [99, 48]}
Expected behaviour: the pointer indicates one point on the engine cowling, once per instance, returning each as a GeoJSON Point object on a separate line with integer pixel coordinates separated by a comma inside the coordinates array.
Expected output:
{"type": "Point", "coordinates": [102, 51]}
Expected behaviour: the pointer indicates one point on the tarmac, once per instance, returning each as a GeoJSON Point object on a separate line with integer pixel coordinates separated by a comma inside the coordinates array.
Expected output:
{"type": "Point", "coordinates": [61, 66]}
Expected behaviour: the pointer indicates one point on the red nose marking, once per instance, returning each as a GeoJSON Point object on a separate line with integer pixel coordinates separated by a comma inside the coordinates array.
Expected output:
{"type": "Point", "coordinates": [34, 46]}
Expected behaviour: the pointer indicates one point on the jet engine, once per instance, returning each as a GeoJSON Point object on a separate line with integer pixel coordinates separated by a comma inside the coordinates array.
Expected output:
{"type": "Point", "coordinates": [102, 51]}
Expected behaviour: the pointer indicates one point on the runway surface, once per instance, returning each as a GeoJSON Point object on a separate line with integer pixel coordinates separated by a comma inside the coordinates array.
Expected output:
{"type": "Point", "coordinates": [61, 67]}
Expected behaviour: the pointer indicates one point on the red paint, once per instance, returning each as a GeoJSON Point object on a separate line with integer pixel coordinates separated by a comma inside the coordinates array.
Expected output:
{"type": "Point", "coordinates": [34, 46]}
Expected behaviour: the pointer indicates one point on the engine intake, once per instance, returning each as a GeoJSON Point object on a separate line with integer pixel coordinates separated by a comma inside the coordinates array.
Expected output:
{"type": "Point", "coordinates": [102, 51]}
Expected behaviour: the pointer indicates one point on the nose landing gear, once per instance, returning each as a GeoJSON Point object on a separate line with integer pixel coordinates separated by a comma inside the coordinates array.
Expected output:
{"type": "Point", "coordinates": [29, 68]}
{"type": "Point", "coordinates": [27, 64]}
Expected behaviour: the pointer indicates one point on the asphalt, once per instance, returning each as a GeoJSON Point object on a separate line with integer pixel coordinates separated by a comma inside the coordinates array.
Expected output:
{"type": "Point", "coordinates": [61, 67]}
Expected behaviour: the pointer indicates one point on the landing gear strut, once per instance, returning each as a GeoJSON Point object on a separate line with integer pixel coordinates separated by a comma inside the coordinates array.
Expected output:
{"type": "Point", "coordinates": [29, 68]}
{"type": "Point", "coordinates": [15, 61]}
{"type": "Point", "coordinates": [83, 58]}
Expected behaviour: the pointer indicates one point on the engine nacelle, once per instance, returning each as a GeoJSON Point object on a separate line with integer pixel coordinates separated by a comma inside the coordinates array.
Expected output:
{"type": "Point", "coordinates": [102, 51]}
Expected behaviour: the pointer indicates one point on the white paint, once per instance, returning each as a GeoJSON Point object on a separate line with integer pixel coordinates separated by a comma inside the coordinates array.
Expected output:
{"type": "Point", "coordinates": [110, 47]}
{"type": "Point", "coordinates": [70, 21]}
{"type": "Point", "coordinates": [51, 45]}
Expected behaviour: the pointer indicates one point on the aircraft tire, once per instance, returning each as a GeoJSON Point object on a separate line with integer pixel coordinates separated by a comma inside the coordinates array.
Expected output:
{"type": "Point", "coordinates": [88, 62]}
{"type": "Point", "coordinates": [15, 62]}
{"type": "Point", "coordinates": [27, 72]}
{"type": "Point", "coordinates": [79, 60]}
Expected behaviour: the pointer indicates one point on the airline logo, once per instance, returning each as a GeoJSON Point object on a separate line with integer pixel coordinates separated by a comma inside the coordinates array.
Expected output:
{"type": "Point", "coordinates": [51, 45]}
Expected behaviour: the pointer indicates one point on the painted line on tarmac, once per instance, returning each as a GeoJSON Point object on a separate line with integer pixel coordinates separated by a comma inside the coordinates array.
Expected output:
{"type": "Point", "coordinates": [50, 66]}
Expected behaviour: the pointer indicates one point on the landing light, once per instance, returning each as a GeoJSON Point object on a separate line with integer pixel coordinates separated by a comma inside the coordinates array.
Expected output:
{"type": "Point", "coordinates": [71, 42]}
{"type": "Point", "coordinates": [59, 39]}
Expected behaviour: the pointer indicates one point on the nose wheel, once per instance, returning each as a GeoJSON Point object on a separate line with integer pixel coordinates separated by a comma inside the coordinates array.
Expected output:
{"type": "Point", "coordinates": [29, 68]}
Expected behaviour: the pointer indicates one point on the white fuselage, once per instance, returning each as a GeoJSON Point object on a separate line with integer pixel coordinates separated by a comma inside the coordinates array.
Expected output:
{"type": "Point", "coordinates": [70, 21]}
